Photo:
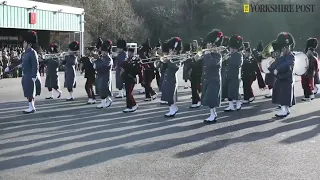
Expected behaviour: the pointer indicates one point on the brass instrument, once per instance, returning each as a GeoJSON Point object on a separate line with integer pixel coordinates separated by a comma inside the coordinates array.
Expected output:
{"type": "Point", "coordinates": [58, 55]}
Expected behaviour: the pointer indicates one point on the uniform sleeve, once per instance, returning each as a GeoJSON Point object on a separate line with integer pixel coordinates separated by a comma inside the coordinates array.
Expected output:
{"type": "Point", "coordinates": [34, 64]}
{"type": "Point", "coordinates": [108, 62]}
{"type": "Point", "coordinates": [288, 64]}
{"type": "Point", "coordinates": [15, 64]}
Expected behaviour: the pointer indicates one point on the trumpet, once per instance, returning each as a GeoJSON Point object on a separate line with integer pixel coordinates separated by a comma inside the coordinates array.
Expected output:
{"type": "Point", "coordinates": [58, 55]}
{"type": "Point", "coordinates": [150, 60]}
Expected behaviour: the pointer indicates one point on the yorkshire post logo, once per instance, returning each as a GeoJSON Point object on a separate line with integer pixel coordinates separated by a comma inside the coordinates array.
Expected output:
{"type": "Point", "coordinates": [278, 8]}
{"type": "Point", "coordinates": [246, 8]}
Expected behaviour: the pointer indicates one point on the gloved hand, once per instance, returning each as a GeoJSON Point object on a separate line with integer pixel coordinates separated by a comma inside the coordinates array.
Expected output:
{"type": "Point", "coordinates": [6, 69]}
{"type": "Point", "coordinates": [34, 79]}
{"type": "Point", "coordinates": [275, 72]}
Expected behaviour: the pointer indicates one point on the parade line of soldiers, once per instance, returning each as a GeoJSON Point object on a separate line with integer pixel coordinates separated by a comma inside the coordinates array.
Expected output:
{"type": "Point", "coordinates": [215, 72]}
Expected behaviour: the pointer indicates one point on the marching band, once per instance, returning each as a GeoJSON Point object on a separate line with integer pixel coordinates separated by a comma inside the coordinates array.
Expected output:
{"type": "Point", "coordinates": [215, 70]}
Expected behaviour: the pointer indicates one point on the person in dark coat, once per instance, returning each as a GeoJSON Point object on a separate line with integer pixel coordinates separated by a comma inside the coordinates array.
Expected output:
{"type": "Point", "coordinates": [186, 64]}
{"type": "Point", "coordinates": [103, 67]}
{"type": "Point", "coordinates": [233, 76]}
{"type": "Point", "coordinates": [149, 72]}
{"type": "Point", "coordinates": [316, 79]}
{"type": "Point", "coordinates": [70, 62]}
{"type": "Point", "coordinates": [194, 69]}
{"type": "Point", "coordinates": [30, 81]}
{"type": "Point", "coordinates": [224, 89]}
{"type": "Point", "coordinates": [249, 73]}
{"type": "Point", "coordinates": [211, 74]}
{"type": "Point", "coordinates": [52, 74]}
{"type": "Point", "coordinates": [283, 89]}
{"type": "Point", "coordinates": [308, 78]}
{"type": "Point", "coordinates": [122, 56]}
{"type": "Point", "coordinates": [169, 85]}
{"type": "Point", "coordinates": [89, 74]}
{"type": "Point", "coordinates": [270, 78]}
{"type": "Point", "coordinates": [157, 71]}
{"type": "Point", "coordinates": [131, 68]}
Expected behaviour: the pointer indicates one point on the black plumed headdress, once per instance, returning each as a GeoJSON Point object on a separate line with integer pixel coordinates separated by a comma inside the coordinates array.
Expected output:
{"type": "Point", "coordinates": [74, 46]}
{"type": "Point", "coordinates": [214, 37]}
{"type": "Point", "coordinates": [235, 42]}
{"type": "Point", "coordinates": [285, 39]}
{"type": "Point", "coordinates": [106, 46]}
{"type": "Point", "coordinates": [175, 44]}
{"type": "Point", "coordinates": [31, 37]}
{"type": "Point", "coordinates": [122, 44]}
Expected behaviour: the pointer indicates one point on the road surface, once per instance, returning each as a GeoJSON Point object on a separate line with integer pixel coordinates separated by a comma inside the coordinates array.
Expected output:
{"type": "Point", "coordinates": [74, 141]}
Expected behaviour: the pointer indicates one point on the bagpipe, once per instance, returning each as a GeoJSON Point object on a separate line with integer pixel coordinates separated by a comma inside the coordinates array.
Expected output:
{"type": "Point", "coordinates": [301, 63]}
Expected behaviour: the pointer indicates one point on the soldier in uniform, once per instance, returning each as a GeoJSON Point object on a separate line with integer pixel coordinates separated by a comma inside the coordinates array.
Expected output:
{"type": "Point", "coordinates": [186, 64]}
{"type": "Point", "coordinates": [131, 68]}
{"type": "Point", "coordinates": [270, 78]}
{"type": "Point", "coordinates": [149, 72]}
{"type": "Point", "coordinates": [70, 69]}
{"type": "Point", "coordinates": [52, 75]}
{"type": "Point", "coordinates": [308, 78]}
{"type": "Point", "coordinates": [157, 49]}
{"type": "Point", "coordinates": [233, 76]}
{"type": "Point", "coordinates": [211, 74]}
{"type": "Point", "coordinates": [249, 73]}
{"type": "Point", "coordinates": [194, 69]}
{"type": "Point", "coordinates": [90, 74]}
{"type": "Point", "coordinates": [103, 67]}
{"type": "Point", "coordinates": [283, 89]}
{"type": "Point", "coordinates": [122, 56]}
{"type": "Point", "coordinates": [169, 84]}
{"type": "Point", "coordinates": [224, 89]}
{"type": "Point", "coordinates": [31, 83]}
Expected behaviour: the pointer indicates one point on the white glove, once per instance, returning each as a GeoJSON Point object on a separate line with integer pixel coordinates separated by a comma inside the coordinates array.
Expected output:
{"type": "Point", "coordinates": [6, 69]}
{"type": "Point", "coordinates": [275, 72]}
{"type": "Point", "coordinates": [34, 79]}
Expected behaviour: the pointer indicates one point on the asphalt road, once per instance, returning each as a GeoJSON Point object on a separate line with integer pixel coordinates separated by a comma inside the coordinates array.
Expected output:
{"type": "Point", "coordinates": [73, 141]}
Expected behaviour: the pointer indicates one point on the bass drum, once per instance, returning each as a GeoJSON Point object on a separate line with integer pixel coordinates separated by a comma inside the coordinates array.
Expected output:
{"type": "Point", "coordinates": [301, 63]}
{"type": "Point", "coordinates": [265, 64]}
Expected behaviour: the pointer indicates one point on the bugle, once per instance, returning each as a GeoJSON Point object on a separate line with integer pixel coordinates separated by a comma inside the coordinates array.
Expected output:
{"type": "Point", "coordinates": [149, 60]}
{"type": "Point", "coordinates": [58, 55]}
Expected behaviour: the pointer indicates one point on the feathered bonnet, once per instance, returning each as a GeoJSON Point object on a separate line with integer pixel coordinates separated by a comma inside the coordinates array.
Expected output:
{"type": "Point", "coordinates": [31, 37]}
{"type": "Point", "coordinates": [312, 44]}
{"type": "Point", "coordinates": [235, 42]}
{"type": "Point", "coordinates": [122, 44]}
{"type": "Point", "coordinates": [214, 37]}
{"type": "Point", "coordinates": [53, 48]}
{"type": "Point", "coordinates": [285, 39]}
{"type": "Point", "coordinates": [174, 44]}
{"type": "Point", "coordinates": [74, 46]}
{"type": "Point", "coordinates": [106, 46]}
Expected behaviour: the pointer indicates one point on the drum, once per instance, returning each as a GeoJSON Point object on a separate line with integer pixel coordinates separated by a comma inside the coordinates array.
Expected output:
{"type": "Point", "coordinates": [266, 63]}
{"type": "Point", "coordinates": [301, 63]}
